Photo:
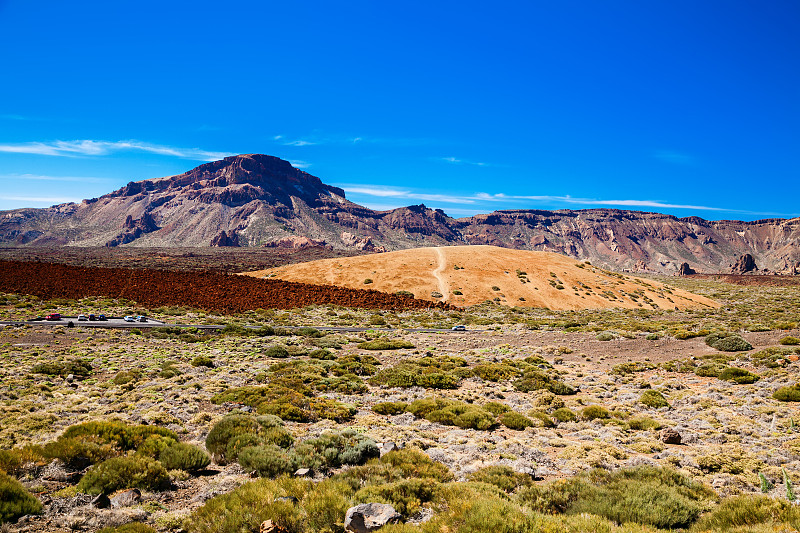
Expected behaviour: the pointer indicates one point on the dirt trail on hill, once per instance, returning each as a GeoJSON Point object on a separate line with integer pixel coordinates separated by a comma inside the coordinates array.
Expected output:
{"type": "Point", "coordinates": [444, 286]}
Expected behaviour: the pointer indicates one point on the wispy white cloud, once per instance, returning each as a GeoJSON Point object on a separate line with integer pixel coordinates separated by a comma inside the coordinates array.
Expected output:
{"type": "Point", "coordinates": [516, 201]}
{"type": "Point", "coordinates": [299, 142]}
{"type": "Point", "coordinates": [100, 148]}
{"type": "Point", "coordinates": [36, 177]}
{"type": "Point", "coordinates": [296, 163]}
{"type": "Point", "coordinates": [47, 200]}
{"type": "Point", "coordinates": [671, 156]}
{"type": "Point", "coordinates": [456, 161]}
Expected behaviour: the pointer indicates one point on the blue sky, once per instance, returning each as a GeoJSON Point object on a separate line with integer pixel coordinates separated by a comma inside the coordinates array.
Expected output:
{"type": "Point", "coordinates": [682, 107]}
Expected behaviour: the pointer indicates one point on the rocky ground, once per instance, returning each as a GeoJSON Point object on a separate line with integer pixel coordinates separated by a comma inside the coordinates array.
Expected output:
{"type": "Point", "coordinates": [729, 433]}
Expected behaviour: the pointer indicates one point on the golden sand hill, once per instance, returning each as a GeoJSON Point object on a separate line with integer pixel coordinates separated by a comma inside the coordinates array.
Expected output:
{"type": "Point", "coordinates": [467, 275]}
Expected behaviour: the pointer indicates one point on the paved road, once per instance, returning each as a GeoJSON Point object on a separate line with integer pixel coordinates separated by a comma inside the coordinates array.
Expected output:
{"type": "Point", "coordinates": [118, 322]}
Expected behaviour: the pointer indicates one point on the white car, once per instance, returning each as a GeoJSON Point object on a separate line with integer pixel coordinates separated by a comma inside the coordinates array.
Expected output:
{"type": "Point", "coordinates": [81, 318]}
{"type": "Point", "coordinates": [459, 328]}
{"type": "Point", "coordinates": [129, 318]}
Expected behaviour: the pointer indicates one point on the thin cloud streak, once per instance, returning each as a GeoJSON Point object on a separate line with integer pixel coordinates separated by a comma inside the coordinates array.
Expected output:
{"type": "Point", "coordinates": [409, 195]}
{"type": "Point", "coordinates": [456, 161]}
{"type": "Point", "coordinates": [85, 147]}
{"type": "Point", "coordinates": [80, 179]}
{"type": "Point", "coordinates": [49, 200]}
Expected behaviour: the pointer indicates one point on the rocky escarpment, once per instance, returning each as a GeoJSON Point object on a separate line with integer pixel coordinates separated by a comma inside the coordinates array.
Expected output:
{"type": "Point", "coordinates": [259, 200]}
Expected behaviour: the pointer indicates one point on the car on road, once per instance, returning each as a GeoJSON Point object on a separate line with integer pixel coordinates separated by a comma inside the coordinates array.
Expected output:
{"type": "Point", "coordinates": [459, 328]}
{"type": "Point", "coordinates": [92, 318]}
{"type": "Point", "coordinates": [81, 318]}
{"type": "Point", "coordinates": [141, 318]}
{"type": "Point", "coordinates": [102, 318]}
{"type": "Point", "coordinates": [53, 316]}
{"type": "Point", "coordinates": [129, 318]}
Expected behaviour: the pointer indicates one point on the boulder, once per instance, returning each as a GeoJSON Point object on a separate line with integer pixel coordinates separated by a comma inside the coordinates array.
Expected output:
{"type": "Point", "coordinates": [268, 526]}
{"type": "Point", "coordinates": [387, 447]}
{"type": "Point", "coordinates": [744, 264]}
{"type": "Point", "coordinates": [686, 270]}
{"type": "Point", "coordinates": [670, 436]}
{"type": "Point", "coordinates": [368, 517]}
{"type": "Point", "coordinates": [126, 498]}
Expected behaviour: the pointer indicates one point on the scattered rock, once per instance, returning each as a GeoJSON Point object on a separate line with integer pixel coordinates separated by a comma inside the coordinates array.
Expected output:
{"type": "Point", "coordinates": [670, 436]}
{"type": "Point", "coordinates": [368, 517]}
{"type": "Point", "coordinates": [744, 264]}
{"type": "Point", "coordinates": [55, 471]}
{"type": "Point", "coordinates": [287, 499]}
{"type": "Point", "coordinates": [229, 239]}
{"type": "Point", "coordinates": [304, 472]}
{"type": "Point", "coordinates": [101, 502]}
{"type": "Point", "coordinates": [387, 447]}
{"type": "Point", "coordinates": [686, 270]}
{"type": "Point", "coordinates": [268, 526]}
{"type": "Point", "coordinates": [126, 498]}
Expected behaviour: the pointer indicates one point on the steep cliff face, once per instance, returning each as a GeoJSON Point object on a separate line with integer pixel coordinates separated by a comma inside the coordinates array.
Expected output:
{"type": "Point", "coordinates": [259, 200]}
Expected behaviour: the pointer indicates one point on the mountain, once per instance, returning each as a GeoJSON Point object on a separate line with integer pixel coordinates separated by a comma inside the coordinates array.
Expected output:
{"type": "Point", "coordinates": [260, 200]}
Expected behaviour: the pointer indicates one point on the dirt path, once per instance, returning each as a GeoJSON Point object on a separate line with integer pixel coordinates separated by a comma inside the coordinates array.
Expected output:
{"type": "Point", "coordinates": [444, 286]}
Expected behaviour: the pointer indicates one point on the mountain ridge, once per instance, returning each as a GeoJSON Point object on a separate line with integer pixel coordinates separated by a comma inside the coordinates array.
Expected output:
{"type": "Point", "coordinates": [261, 200]}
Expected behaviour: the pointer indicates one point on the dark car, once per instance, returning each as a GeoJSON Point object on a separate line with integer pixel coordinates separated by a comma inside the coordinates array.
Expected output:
{"type": "Point", "coordinates": [101, 317]}
{"type": "Point", "coordinates": [53, 316]}
{"type": "Point", "coordinates": [141, 318]}
{"type": "Point", "coordinates": [92, 318]}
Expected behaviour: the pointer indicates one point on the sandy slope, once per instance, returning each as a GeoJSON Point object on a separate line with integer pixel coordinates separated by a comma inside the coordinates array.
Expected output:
{"type": "Point", "coordinates": [523, 278]}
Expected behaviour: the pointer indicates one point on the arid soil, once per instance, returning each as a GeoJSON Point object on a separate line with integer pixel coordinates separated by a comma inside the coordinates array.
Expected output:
{"type": "Point", "coordinates": [209, 291]}
{"type": "Point", "coordinates": [753, 280]}
{"type": "Point", "coordinates": [462, 276]}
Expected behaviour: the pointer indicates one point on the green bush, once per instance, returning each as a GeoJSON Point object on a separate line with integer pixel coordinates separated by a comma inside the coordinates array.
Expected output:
{"type": "Point", "coordinates": [15, 501]}
{"type": "Point", "coordinates": [788, 394]}
{"type": "Point", "coordinates": [496, 372]}
{"type": "Point", "coordinates": [12, 461]}
{"type": "Point", "coordinates": [154, 445]}
{"type": "Point", "coordinates": [564, 414]}
{"type": "Point", "coordinates": [790, 341]}
{"type": "Point", "coordinates": [79, 453]}
{"type": "Point", "coordinates": [294, 402]}
{"type": "Point", "coordinates": [127, 376]}
{"type": "Point", "coordinates": [594, 412]}
{"type": "Point", "coordinates": [405, 496]}
{"type": "Point", "coordinates": [533, 380]}
{"type": "Point", "coordinates": [385, 344]}
{"type": "Point", "coordinates": [605, 336]}
{"type": "Point", "coordinates": [240, 442]}
{"type": "Point", "coordinates": [183, 456]}
{"type": "Point", "coordinates": [653, 398]}
{"type": "Point", "coordinates": [750, 510]}
{"type": "Point", "coordinates": [516, 421]}
{"type": "Point", "coordinates": [502, 477]}
{"type": "Point", "coordinates": [542, 417]}
{"type": "Point", "coordinates": [227, 429]}
{"type": "Point", "coordinates": [202, 360]}
{"type": "Point", "coordinates": [135, 471]}
{"type": "Point", "coordinates": [76, 367]}
{"type": "Point", "coordinates": [496, 408]}
{"type": "Point", "coordinates": [413, 463]}
{"type": "Point", "coordinates": [709, 370]}
{"type": "Point", "coordinates": [130, 527]}
{"type": "Point", "coordinates": [738, 375]}
{"type": "Point", "coordinates": [734, 343]}
{"type": "Point", "coordinates": [278, 351]}
{"type": "Point", "coordinates": [268, 460]}
{"type": "Point", "coordinates": [390, 408]}
{"type": "Point", "coordinates": [346, 447]}
{"type": "Point", "coordinates": [452, 413]}
{"type": "Point", "coordinates": [641, 423]}
{"type": "Point", "coordinates": [169, 370]}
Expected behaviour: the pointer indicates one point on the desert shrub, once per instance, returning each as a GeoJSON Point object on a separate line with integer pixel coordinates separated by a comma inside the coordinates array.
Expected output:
{"type": "Point", "coordinates": [12, 461]}
{"type": "Point", "coordinates": [788, 394]}
{"type": "Point", "coordinates": [295, 402]}
{"type": "Point", "coordinates": [203, 360]}
{"type": "Point", "coordinates": [605, 336]}
{"type": "Point", "coordinates": [135, 471]}
{"type": "Point", "coordinates": [127, 376]}
{"type": "Point", "coordinates": [390, 408]}
{"type": "Point", "coordinates": [564, 414]}
{"type": "Point", "coordinates": [240, 442]}
{"type": "Point", "coordinates": [346, 447]}
{"type": "Point", "coordinates": [541, 419]}
{"type": "Point", "coordinates": [496, 372]}
{"type": "Point", "coordinates": [321, 354]}
{"type": "Point", "coordinates": [594, 412]}
{"type": "Point", "coordinates": [130, 527]}
{"type": "Point", "coordinates": [376, 320]}
{"type": "Point", "coordinates": [533, 380]}
{"type": "Point", "coordinates": [657, 497]}
{"type": "Point", "coordinates": [169, 370]}
{"type": "Point", "coordinates": [430, 372]}
{"type": "Point", "coordinates": [359, 365]}
{"type": "Point", "coordinates": [385, 344]}
{"type": "Point", "coordinates": [653, 398]}
{"type": "Point", "coordinates": [734, 343]}
{"type": "Point", "coordinates": [183, 456]}
{"type": "Point", "coordinates": [496, 408]}
{"type": "Point", "coordinates": [268, 460]}
{"type": "Point", "coordinates": [738, 375]}
{"type": "Point", "coordinates": [277, 351]}
{"type": "Point", "coordinates": [413, 463]}
{"type": "Point", "coordinates": [747, 511]}
{"type": "Point", "coordinates": [502, 477]}
{"type": "Point", "coordinates": [367, 281]}
{"type": "Point", "coordinates": [453, 413]}
{"type": "Point", "coordinates": [709, 370]}
{"type": "Point", "coordinates": [640, 423]}
{"type": "Point", "coordinates": [513, 420]}
{"type": "Point", "coordinates": [245, 508]}
{"type": "Point", "coordinates": [79, 453]}
{"type": "Point", "coordinates": [790, 341]}
{"type": "Point", "coordinates": [154, 445]}
{"type": "Point", "coordinates": [623, 369]}
{"type": "Point", "coordinates": [76, 367]}
{"type": "Point", "coordinates": [225, 430]}
{"type": "Point", "coordinates": [405, 496]}
{"type": "Point", "coordinates": [15, 501]}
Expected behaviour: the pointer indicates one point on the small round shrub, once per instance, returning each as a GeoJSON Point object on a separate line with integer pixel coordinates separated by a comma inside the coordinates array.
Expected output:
{"type": "Point", "coordinates": [564, 414]}
{"type": "Point", "coordinates": [183, 456]}
{"type": "Point", "coordinates": [268, 460]}
{"type": "Point", "coordinates": [709, 370]}
{"type": "Point", "coordinates": [154, 445]}
{"type": "Point", "coordinates": [788, 394]}
{"type": "Point", "coordinates": [277, 351]}
{"type": "Point", "coordinates": [653, 398]}
{"type": "Point", "coordinates": [738, 375]}
{"type": "Point", "coordinates": [502, 477]}
{"type": "Point", "coordinates": [346, 447]}
{"type": "Point", "coordinates": [390, 408]}
{"type": "Point", "coordinates": [135, 471]}
{"type": "Point", "coordinates": [240, 442]}
{"type": "Point", "coordinates": [605, 336]}
{"type": "Point", "coordinates": [790, 341]}
{"type": "Point", "coordinates": [227, 428]}
{"type": "Point", "coordinates": [734, 343]}
{"type": "Point", "coordinates": [513, 420]}
{"type": "Point", "coordinates": [641, 423]}
{"type": "Point", "coordinates": [496, 408]}
{"type": "Point", "coordinates": [15, 501]}
{"type": "Point", "coordinates": [406, 496]}
{"type": "Point", "coordinates": [541, 419]}
{"type": "Point", "coordinates": [203, 360]}
{"type": "Point", "coordinates": [279, 436]}
{"type": "Point", "coordinates": [594, 412]}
